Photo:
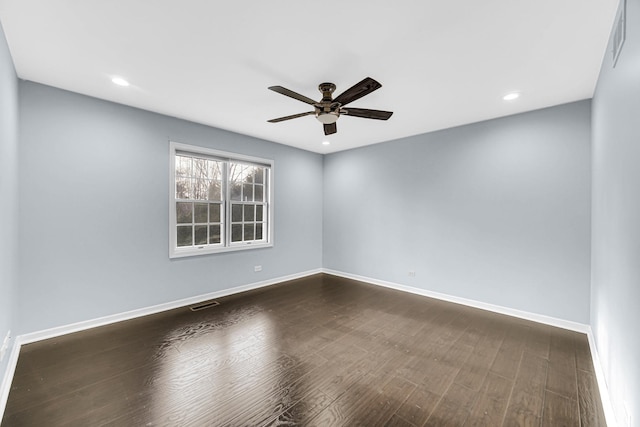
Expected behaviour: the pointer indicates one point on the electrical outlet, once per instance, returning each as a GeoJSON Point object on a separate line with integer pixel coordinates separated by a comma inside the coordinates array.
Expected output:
{"type": "Point", "coordinates": [412, 274]}
{"type": "Point", "coordinates": [5, 345]}
{"type": "Point", "coordinates": [257, 268]}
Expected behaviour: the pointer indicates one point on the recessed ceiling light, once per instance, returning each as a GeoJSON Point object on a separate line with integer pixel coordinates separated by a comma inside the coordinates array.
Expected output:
{"type": "Point", "coordinates": [325, 143]}
{"type": "Point", "coordinates": [511, 96]}
{"type": "Point", "coordinates": [120, 81]}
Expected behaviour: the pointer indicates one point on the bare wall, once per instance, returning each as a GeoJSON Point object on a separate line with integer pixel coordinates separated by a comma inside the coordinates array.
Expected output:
{"type": "Point", "coordinates": [94, 203]}
{"type": "Point", "coordinates": [8, 194]}
{"type": "Point", "coordinates": [497, 211]}
{"type": "Point", "coordinates": [616, 221]}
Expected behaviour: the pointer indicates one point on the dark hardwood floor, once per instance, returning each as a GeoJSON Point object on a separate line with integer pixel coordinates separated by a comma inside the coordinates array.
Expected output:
{"type": "Point", "coordinates": [318, 351]}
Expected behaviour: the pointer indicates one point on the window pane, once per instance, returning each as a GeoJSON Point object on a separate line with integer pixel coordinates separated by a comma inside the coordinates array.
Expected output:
{"type": "Point", "coordinates": [247, 192]}
{"type": "Point", "coordinates": [183, 166]}
{"type": "Point", "coordinates": [258, 212]}
{"type": "Point", "coordinates": [236, 213]}
{"type": "Point", "coordinates": [240, 172]}
{"type": "Point", "coordinates": [200, 168]}
{"type": "Point", "coordinates": [184, 213]}
{"type": "Point", "coordinates": [201, 234]}
{"type": "Point", "coordinates": [259, 193]}
{"type": "Point", "coordinates": [201, 213]}
{"type": "Point", "coordinates": [247, 173]}
{"type": "Point", "coordinates": [214, 212]}
{"type": "Point", "coordinates": [258, 175]}
{"type": "Point", "coordinates": [183, 188]}
{"type": "Point", "coordinates": [248, 232]}
{"type": "Point", "coordinates": [236, 191]}
{"type": "Point", "coordinates": [200, 189]}
{"type": "Point", "coordinates": [184, 236]}
{"type": "Point", "coordinates": [235, 172]}
{"type": "Point", "coordinates": [248, 212]}
{"type": "Point", "coordinates": [213, 170]}
{"type": "Point", "coordinates": [236, 233]}
{"type": "Point", "coordinates": [258, 231]}
{"type": "Point", "coordinates": [214, 234]}
{"type": "Point", "coordinates": [241, 179]}
{"type": "Point", "coordinates": [215, 190]}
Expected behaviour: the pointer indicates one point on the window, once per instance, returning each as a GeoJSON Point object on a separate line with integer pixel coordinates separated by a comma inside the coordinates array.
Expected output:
{"type": "Point", "coordinates": [219, 201]}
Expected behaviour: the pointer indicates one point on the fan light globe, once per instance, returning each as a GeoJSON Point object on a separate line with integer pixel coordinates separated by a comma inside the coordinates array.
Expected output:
{"type": "Point", "coordinates": [327, 118]}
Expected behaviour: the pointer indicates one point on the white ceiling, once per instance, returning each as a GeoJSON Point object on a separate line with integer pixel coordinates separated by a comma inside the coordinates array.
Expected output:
{"type": "Point", "coordinates": [441, 63]}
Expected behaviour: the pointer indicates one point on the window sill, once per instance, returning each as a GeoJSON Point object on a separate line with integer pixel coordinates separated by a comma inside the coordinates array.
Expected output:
{"type": "Point", "coordinates": [182, 253]}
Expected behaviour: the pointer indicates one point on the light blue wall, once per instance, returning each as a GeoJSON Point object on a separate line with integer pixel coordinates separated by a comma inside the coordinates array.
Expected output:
{"type": "Point", "coordinates": [94, 202]}
{"type": "Point", "coordinates": [616, 220]}
{"type": "Point", "coordinates": [497, 211]}
{"type": "Point", "coordinates": [8, 193]}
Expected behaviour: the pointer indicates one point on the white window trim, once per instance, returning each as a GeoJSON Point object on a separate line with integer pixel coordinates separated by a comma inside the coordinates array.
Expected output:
{"type": "Point", "coordinates": [179, 252]}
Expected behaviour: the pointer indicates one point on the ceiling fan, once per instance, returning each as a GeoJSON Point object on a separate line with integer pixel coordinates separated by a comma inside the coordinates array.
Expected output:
{"type": "Point", "coordinates": [328, 110]}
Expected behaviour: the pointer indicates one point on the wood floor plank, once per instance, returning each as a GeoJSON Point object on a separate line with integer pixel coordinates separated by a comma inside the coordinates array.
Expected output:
{"type": "Point", "coordinates": [561, 377]}
{"type": "Point", "coordinates": [527, 397]}
{"type": "Point", "coordinates": [454, 407]}
{"type": "Point", "coordinates": [584, 362]}
{"type": "Point", "coordinates": [397, 421]}
{"type": "Point", "coordinates": [303, 411]}
{"type": "Point", "coordinates": [349, 404]}
{"type": "Point", "coordinates": [418, 406]}
{"type": "Point", "coordinates": [258, 405]}
{"type": "Point", "coordinates": [538, 341]}
{"type": "Point", "coordinates": [509, 354]}
{"type": "Point", "coordinates": [560, 411]}
{"type": "Point", "coordinates": [320, 350]}
{"type": "Point", "coordinates": [430, 375]}
{"type": "Point", "coordinates": [475, 369]}
{"type": "Point", "coordinates": [589, 402]}
{"type": "Point", "coordinates": [384, 404]}
{"type": "Point", "coordinates": [491, 403]}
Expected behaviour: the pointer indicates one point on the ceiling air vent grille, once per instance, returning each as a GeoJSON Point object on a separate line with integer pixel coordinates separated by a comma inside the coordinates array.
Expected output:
{"type": "Point", "coordinates": [619, 31]}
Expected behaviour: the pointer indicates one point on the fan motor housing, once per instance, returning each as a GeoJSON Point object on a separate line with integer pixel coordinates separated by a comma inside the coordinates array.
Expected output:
{"type": "Point", "coordinates": [327, 89]}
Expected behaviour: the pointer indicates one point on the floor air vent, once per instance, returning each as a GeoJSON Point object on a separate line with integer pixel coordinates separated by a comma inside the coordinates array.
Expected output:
{"type": "Point", "coordinates": [203, 305]}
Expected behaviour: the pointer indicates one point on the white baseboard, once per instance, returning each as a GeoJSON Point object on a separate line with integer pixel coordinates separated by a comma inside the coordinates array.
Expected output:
{"type": "Point", "coordinates": [106, 320]}
{"type": "Point", "coordinates": [20, 340]}
{"type": "Point", "coordinates": [607, 406]}
{"type": "Point", "coordinates": [539, 318]}
{"type": "Point", "coordinates": [12, 362]}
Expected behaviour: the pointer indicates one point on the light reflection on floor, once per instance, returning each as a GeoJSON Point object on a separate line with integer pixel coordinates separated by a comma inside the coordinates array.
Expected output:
{"type": "Point", "coordinates": [229, 361]}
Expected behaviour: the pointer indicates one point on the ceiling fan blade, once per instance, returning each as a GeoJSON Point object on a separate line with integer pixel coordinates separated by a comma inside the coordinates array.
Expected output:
{"type": "Point", "coordinates": [357, 91]}
{"type": "Point", "coordinates": [293, 116]}
{"type": "Point", "coordinates": [367, 114]}
{"type": "Point", "coordinates": [292, 94]}
{"type": "Point", "coordinates": [330, 128]}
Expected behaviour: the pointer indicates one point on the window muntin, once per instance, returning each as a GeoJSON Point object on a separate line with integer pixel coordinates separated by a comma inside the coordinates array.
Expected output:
{"type": "Point", "coordinates": [220, 201]}
{"type": "Point", "coordinates": [198, 200]}
{"type": "Point", "coordinates": [247, 202]}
